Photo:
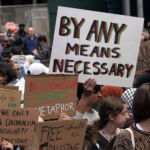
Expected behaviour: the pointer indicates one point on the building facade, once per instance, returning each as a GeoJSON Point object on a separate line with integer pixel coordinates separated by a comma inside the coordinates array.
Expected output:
{"type": "Point", "coordinates": [41, 14]}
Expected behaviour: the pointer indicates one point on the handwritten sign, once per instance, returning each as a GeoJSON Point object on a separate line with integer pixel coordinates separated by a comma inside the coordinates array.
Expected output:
{"type": "Point", "coordinates": [10, 98]}
{"type": "Point", "coordinates": [17, 125]}
{"type": "Point", "coordinates": [9, 87]}
{"type": "Point", "coordinates": [61, 135]}
{"type": "Point", "coordinates": [52, 94]}
{"type": "Point", "coordinates": [94, 44]}
{"type": "Point", "coordinates": [143, 62]}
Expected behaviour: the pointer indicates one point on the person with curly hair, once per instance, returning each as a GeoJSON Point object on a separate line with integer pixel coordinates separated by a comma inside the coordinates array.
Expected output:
{"type": "Point", "coordinates": [113, 115]}
{"type": "Point", "coordinates": [90, 139]}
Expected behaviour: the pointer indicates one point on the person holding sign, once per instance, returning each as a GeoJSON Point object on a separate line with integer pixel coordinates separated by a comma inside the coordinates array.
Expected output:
{"type": "Point", "coordinates": [91, 96]}
{"type": "Point", "coordinates": [6, 146]}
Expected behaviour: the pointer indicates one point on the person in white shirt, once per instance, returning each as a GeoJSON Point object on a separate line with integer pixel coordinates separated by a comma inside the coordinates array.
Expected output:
{"type": "Point", "coordinates": [90, 95]}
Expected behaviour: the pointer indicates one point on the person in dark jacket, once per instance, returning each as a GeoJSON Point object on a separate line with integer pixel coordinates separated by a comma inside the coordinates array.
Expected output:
{"type": "Point", "coordinates": [21, 32]}
{"type": "Point", "coordinates": [9, 45]}
{"type": "Point", "coordinates": [30, 42]}
{"type": "Point", "coordinates": [45, 51]}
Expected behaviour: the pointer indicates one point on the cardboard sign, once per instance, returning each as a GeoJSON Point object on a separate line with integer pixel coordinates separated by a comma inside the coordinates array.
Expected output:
{"type": "Point", "coordinates": [61, 135]}
{"type": "Point", "coordinates": [9, 87]}
{"type": "Point", "coordinates": [10, 98]}
{"type": "Point", "coordinates": [93, 44]}
{"type": "Point", "coordinates": [143, 61]}
{"type": "Point", "coordinates": [17, 125]}
{"type": "Point", "coordinates": [52, 94]}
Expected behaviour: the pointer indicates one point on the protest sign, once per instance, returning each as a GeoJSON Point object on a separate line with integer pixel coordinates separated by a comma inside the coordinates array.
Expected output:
{"type": "Point", "coordinates": [52, 94]}
{"type": "Point", "coordinates": [10, 98]}
{"type": "Point", "coordinates": [94, 44]}
{"type": "Point", "coordinates": [9, 87]}
{"type": "Point", "coordinates": [17, 125]}
{"type": "Point", "coordinates": [60, 135]}
{"type": "Point", "coordinates": [143, 61]}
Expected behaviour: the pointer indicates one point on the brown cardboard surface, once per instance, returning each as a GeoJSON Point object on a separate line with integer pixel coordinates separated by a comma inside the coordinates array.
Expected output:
{"type": "Point", "coordinates": [10, 98]}
{"type": "Point", "coordinates": [17, 125]}
{"type": "Point", "coordinates": [61, 134]}
{"type": "Point", "coordinates": [52, 94]}
{"type": "Point", "coordinates": [9, 87]}
{"type": "Point", "coordinates": [143, 62]}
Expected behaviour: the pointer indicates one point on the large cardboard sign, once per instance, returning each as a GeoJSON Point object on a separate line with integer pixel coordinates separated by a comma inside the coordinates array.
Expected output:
{"type": "Point", "coordinates": [10, 98]}
{"type": "Point", "coordinates": [17, 125]}
{"type": "Point", "coordinates": [143, 61]}
{"type": "Point", "coordinates": [61, 135]}
{"type": "Point", "coordinates": [51, 94]}
{"type": "Point", "coordinates": [94, 44]}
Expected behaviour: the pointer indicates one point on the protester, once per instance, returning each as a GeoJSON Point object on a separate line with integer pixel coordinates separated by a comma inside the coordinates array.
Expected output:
{"type": "Point", "coordinates": [30, 59]}
{"type": "Point", "coordinates": [18, 41]}
{"type": "Point", "coordinates": [140, 130]}
{"type": "Point", "coordinates": [146, 35]}
{"type": "Point", "coordinates": [15, 66]}
{"type": "Point", "coordinates": [127, 96]}
{"type": "Point", "coordinates": [30, 42]}
{"type": "Point", "coordinates": [17, 56]}
{"type": "Point", "coordinates": [7, 75]}
{"type": "Point", "coordinates": [1, 42]}
{"type": "Point", "coordinates": [90, 95]}
{"type": "Point", "coordinates": [45, 51]}
{"type": "Point", "coordinates": [113, 116]}
{"type": "Point", "coordinates": [21, 32]}
{"type": "Point", "coordinates": [91, 135]}
{"type": "Point", "coordinates": [9, 45]}
{"type": "Point", "coordinates": [6, 58]}
{"type": "Point", "coordinates": [111, 91]}
{"type": "Point", "coordinates": [46, 63]}
{"type": "Point", "coordinates": [5, 145]}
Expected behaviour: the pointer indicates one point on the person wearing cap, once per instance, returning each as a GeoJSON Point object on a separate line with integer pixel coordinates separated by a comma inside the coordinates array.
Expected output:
{"type": "Point", "coordinates": [21, 32]}
{"type": "Point", "coordinates": [8, 46]}
{"type": "Point", "coordinates": [37, 69]}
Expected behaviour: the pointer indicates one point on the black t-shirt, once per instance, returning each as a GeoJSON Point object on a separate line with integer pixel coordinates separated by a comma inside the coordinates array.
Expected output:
{"type": "Point", "coordinates": [145, 78]}
{"type": "Point", "coordinates": [103, 142]}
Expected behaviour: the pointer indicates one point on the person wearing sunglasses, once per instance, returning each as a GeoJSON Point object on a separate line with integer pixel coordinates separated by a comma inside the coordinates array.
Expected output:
{"type": "Point", "coordinates": [1, 42]}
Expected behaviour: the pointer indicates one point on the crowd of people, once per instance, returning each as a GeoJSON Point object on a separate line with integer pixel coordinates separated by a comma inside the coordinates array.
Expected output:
{"type": "Point", "coordinates": [118, 118]}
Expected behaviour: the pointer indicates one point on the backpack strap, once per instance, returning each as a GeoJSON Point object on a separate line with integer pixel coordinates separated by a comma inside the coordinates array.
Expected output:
{"type": "Point", "coordinates": [132, 137]}
{"type": "Point", "coordinates": [128, 123]}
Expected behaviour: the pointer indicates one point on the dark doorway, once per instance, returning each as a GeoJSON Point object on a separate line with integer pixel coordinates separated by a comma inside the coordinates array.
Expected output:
{"type": "Point", "coordinates": [146, 7]}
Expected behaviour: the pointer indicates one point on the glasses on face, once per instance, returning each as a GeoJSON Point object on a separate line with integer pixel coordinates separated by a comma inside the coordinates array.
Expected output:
{"type": "Point", "coordinates": [17, 69]}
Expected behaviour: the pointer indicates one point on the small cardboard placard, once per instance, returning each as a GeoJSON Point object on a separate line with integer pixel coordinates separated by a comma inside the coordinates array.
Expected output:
{"type": "Point", "coordinates": [143, 61]}
{"type": "Point", "coordinates": [17, 125]}
{"type": "Point", "coordinates": [51, 94]}
{"type": "Point", "coordinates": [10, 98]}
{"type": "Point", "coordinates": [9, 87]}
{"type": "Point", "coordinates": [59, 135]}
